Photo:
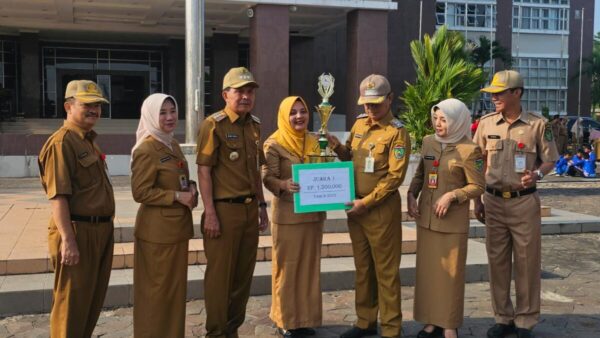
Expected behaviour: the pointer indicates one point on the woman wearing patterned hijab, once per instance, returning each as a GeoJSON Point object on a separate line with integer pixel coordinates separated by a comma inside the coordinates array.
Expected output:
{"type": "Point", "coordinates": [296, 286]}
{"type": "Point", "coordinates": [160, 183]}
{"type": "Point", "coordinates": [450, 173]}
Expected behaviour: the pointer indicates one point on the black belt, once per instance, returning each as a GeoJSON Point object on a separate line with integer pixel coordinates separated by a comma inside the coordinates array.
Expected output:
{"type": "Point", "coordinates": [510, 194]}
{"type": "Point", "coordinates": [240, 199]}
{"type": "Point", "coordinates": [91, 219]}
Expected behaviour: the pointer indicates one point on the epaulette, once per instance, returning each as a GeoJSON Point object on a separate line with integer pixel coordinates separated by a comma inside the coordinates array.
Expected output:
{"type": "Point", "coordinates": [219, 116]}
{"type": "Point", "coordinates": [396, 123]}
{"type": "Point", "coordinates": [362, 116]}
{"type": "Point", "coordinates": [255, 118]}
{"type": "Point", "coordinates": [539, 116]}
{"type": "Point", "coordinates": [488, 115]}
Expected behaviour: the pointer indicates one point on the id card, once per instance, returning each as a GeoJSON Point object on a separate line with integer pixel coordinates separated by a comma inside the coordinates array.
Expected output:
{"type": "Point", "coordinates": [183, 182]}
{"type": "Point", "coordinates": [369, 164]}
{"type": "Point", "coordinates": [520, 163]}
{"type": "Point", "coordinates": [432, 182]}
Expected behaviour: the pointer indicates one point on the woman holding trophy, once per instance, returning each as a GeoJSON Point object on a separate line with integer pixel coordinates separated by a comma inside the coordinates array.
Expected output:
{"type": "Point", "coordinates": [450, 173]}
{"type": "Point", "coordinates": [296, 258]}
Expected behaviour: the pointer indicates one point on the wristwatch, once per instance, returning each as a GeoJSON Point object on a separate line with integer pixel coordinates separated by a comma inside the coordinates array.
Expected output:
{"type": "Point", "coordinates": [262, 204]}
{"type": "Point", "coordinates": [539, 174]}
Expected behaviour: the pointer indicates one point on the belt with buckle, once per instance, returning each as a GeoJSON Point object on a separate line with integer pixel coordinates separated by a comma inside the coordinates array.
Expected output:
{"type": "Point", "coordinates": [510, 194]}
{"type": "Point", "coordinates": [240, 199]}
{"type": "Point", "coordinates": [91, 219]}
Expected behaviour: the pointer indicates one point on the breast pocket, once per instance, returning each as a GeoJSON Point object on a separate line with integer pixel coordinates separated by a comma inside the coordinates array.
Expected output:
{"type": "Point", "coordinates": [493, 149]}
{"type": "Point", "coordinates": [88, 173]}
{"type": "Point", "coordinates": [381, 154]}
{"type": "Point", "coordinates": [234, 150]}
{"type": "Point", "coordinates": [531, 156]}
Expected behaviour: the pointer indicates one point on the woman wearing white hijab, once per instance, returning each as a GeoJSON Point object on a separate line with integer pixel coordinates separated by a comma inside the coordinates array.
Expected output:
{"type": "Point", "coordinates": [449, 174]}
{"type": "Point", "coordinates": [163, 226]}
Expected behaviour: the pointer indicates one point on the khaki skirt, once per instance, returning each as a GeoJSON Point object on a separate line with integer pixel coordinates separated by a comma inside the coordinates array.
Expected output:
{"type": "Point", "coordinates": [440, 284]}
{"type": "Point", "coordinates": [159, 288]}
{"type": "Point", "coordinates": [296, 275]}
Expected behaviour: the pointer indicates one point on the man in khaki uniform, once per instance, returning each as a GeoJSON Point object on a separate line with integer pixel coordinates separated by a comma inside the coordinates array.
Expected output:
{"type": "Point", "coordinates": [229, 156]}
{"type": "Point", "coordinates": [379, 147]}
{"type": "Point", "coordinates": [520, 150]}
{"type": "Point", "coordinates": [76, 180]}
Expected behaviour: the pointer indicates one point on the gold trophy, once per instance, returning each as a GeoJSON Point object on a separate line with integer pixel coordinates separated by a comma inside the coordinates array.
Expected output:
{"type": "Point", "coordinates": [325, 88]}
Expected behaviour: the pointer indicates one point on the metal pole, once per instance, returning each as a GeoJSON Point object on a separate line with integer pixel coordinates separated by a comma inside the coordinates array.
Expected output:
{"type": "Point", "coordinates": [192, 21]}
{"type": "Point", "coordinates": [421, 19]}
{"type": "Point", "coordinates": [580, 76]}
{"type": "Point", "coordinates": [492, 38]}
{"type": "Point", "coordinates": [201, 73]}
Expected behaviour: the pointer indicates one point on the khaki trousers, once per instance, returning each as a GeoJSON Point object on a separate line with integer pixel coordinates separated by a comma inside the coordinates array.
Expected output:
{"type": "Point", "coordinates": [377, 245]}
{"type": "Point", "coordinates": [513, 239]}
{"type": "Point", "coordinates": [160, 289]}
{"type": "Point", "coordinates": [230, 265]}
{"type": "Point", "coordinates": [79, 290]}
{"type": "Point", "coordinates": [296, 275]}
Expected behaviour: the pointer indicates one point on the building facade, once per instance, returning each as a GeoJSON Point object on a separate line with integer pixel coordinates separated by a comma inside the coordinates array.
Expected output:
{"type": "Point", "coordinates": [544, 38]}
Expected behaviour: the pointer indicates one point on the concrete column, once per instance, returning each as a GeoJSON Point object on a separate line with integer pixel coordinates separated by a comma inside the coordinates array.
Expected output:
{"type": "Point", "coordinates": [31, 78]}
{"type": "Point", "coordinates": [225, 55]}
{"type": "Point", "coordinates": [269, 61]}
{"type": "Point", "coordinates": [175, 85]}
{"type": "Point", "coordinates": [403, 27]}
{"type": "Point", "coordinates": [367, 50]}
{"type": "Point", "coordinates": [504, 21]}
{"type": "Point", "coordinates": [574, 56]}
{"type": "Point", "coordinates": [304, 71]}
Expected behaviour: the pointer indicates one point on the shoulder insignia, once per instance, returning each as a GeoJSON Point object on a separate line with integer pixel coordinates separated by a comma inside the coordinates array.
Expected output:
{"type": "Point", "coordinates": [396, 123]}
{"type": "Point", "coordinates": [362, 116]}
{"type": "Point", "coordinates": [255, 118]}
{"type": "Point", "coordinates": [488, 115]}
{"type": "Point", "coordinates": [219, 116]}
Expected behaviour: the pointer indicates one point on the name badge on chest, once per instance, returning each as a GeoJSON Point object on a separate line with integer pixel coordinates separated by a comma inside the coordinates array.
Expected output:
{"type": "Point", "coordinates": [184, 183]}
{"type": "Point", "coordinates": [432, 179]}
{"type": "Point", "coordinates": [370, 160]}
{"type": "Point", "coordinates": [520, 163]}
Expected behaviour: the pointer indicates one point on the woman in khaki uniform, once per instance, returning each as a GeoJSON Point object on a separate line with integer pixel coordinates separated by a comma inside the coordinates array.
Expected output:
{"type": "Point", "coordinates": [163, 226]}
{"type": "Point", "coordinates": [296, 284]}
{"type": "Point", "coordinates": [449, 174]}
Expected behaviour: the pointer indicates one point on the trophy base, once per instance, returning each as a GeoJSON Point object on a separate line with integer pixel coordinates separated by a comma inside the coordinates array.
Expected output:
{"type": "Point", "coordinates": [321, 158]}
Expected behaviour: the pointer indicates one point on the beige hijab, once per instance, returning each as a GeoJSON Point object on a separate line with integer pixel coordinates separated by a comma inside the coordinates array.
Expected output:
{"type": "Point", "coordinates": [458, 118]}
{"type": "Point", "coordinates": [149, 125]}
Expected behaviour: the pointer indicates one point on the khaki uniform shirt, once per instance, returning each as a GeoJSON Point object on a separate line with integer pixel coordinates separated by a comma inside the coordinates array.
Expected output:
{"type": "Point", "coordinates": [231, 145]}
{"type": "Point", "coordinates": [389, 144]}
{"type": "Point", "coordinates": [460, 170]}
{"type": "Point", "coordinates": [156, 174]}
{"type": "Point", "coordinates": [277, 169]}
{"type": "Point", "coordinates": [72, 164]}
{"type": "Point", "coordinates": [500, 141]}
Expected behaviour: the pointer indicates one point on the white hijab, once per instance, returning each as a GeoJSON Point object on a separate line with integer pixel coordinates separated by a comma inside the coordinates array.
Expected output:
{"type": "Point", "coordinates": [458, 118]}
{"type": "Point", "coordinates": [149, 125]}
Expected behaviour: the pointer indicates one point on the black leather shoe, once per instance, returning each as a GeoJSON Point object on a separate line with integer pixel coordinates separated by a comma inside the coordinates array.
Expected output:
{"type": "Point", "coordinates": [357, 332]}
{"type": "Point", "coordinates": [524, 333]}
{"type": "Point", "coordinates": [288, 333]}
{"type": "Point", "coordinates": [500, 330]}
{"type": "Point", "coordinates": [305, 331]}
{"type": "Point", "coordinates": [436, 333]}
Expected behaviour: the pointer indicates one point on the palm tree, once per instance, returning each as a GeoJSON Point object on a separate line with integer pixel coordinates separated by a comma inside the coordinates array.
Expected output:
{"type": "Point", "coordinates": [592, 69]}
{"type": "Point", "coordinates": [480, 53]}
{"type": "Point", "coordinates": [444, 70]}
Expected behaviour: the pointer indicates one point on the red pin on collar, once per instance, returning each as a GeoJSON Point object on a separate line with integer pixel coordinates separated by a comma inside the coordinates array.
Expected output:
{"type": "Point", "coordinates": [520, 145]}
{"type": "Point", "coordinates": [180, 164]}
{"type": "Point", "coordinates": [436, 163]}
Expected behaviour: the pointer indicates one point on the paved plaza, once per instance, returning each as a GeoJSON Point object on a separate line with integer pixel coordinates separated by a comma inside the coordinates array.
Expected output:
{"type": "Point", "coordinates": [570, 286]}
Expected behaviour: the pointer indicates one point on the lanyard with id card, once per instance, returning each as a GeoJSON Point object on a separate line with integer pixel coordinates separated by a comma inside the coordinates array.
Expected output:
{"type": "Point", "coordinates": [432, 180]}
{"type": "Point", "coordinates": [370, 160]}
{"type": "Point", "coordinates": [520, 159]}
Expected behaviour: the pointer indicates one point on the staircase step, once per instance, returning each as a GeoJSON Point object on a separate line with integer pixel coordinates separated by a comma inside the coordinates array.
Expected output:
{"type": "Point", "coordinates": [334, 245]}
{"type": "Point", "coordinates": [26, 294]}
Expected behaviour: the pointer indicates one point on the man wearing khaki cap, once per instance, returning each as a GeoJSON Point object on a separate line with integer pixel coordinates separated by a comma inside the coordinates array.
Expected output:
{"type": "Point", "coordinates": [229, 156]}
{"type": "Point", "coordinates": [520, 150]}
{"type": "Point", "coordinates": [75, 177]}
{"type": "Point", "coordinates": [379, 147]}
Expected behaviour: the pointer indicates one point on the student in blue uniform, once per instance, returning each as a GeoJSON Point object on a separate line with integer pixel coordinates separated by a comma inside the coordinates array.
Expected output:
{"type": "Point", "coordinates": [562, 165]}
{"type": "Point", "coordinates": [589, 164]}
